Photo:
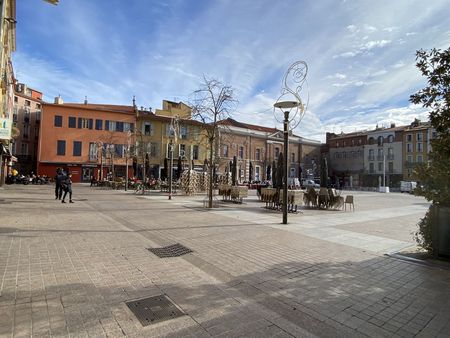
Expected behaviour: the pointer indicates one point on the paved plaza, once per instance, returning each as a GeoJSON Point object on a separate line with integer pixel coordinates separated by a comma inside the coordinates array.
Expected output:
{"type": "Point", "coordinates": [69, 269]}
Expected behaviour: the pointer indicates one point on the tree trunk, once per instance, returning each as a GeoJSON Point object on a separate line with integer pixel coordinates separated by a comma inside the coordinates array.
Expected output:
{"type": "Point", "coordinates": [210, 201]}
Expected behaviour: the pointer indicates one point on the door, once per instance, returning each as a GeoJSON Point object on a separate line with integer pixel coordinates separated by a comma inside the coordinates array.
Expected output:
{"type": "Point", "coordinates": [87, 173]}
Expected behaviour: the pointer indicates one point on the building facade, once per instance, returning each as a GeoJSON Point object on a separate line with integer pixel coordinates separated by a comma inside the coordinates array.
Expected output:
{"type": "Point", "coordinates": [416, 146]}
{"type": "Point", "coordinates": [257, 148]}
{"type": "Point", "coordinates": [87, 139]}
{"type": "Point", "coordinates": [346, 158]}
{"type": "Point", "coordinates": [8, 43]}
{"type": "Point", "coordinates": [26, 119]}
{"type": "Point", "coordinates": [169, 127]}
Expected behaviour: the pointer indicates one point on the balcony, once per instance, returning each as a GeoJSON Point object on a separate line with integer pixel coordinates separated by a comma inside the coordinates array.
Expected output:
{"type": "Point", "coordinates": [93, 158]}
{"type": "Point", "coordinates": [371, 158]}
{"type": "Point", "coordinates": [380, 157]}
{"type": "Point", "coordinates": [390, 156]}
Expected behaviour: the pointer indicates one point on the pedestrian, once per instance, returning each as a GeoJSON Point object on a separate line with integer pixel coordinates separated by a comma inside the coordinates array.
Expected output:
{"type": "Point", "coordinates": [67, 187]}
{"type": "Point", "coordinates": [58, 183]}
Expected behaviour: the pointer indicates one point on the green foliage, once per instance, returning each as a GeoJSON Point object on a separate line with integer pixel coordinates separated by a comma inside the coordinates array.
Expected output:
{"type": "Point", "coordinates": [435, 176]}
{"type": "Point", "coordinates": [423, 234]}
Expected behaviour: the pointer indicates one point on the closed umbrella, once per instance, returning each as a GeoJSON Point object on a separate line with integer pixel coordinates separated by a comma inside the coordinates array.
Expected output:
{"type": "Point", "coordinates": [269, 168]}
{"type": "Point", "coordinates": [324, 173]}
{"type": "Point", "coordinates": [233, 171]}
{"type": "Point", "coordinates": [250, 173]}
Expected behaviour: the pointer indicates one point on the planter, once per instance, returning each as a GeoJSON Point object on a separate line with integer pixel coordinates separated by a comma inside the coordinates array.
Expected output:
{"type": "Point", "coordinates": [441, 231]}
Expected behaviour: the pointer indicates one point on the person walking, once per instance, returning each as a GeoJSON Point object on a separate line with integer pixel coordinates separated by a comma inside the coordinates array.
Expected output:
{"type": "Point", "coordinates": [67, 186]}
{"type": "Point", "coordinates": [58, 183]}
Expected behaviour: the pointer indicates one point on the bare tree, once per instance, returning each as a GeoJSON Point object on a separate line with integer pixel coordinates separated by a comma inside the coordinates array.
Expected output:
{"type": "Point", "coordinates": [212, 103]}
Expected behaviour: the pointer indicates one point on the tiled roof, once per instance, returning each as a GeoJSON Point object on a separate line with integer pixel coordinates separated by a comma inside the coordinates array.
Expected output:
{"type": "Point", "coordinates": [232, 122]}
{"type": "Point", "coordinates": [91, 106]}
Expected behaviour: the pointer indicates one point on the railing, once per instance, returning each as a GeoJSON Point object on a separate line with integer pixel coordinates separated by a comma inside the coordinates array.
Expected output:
{"type": "Point", "coordinates": [390, 156]}
{"type": "Point", "coordinates": [380, 157]}
{"type": "Point", "coordinates": [371, 157]}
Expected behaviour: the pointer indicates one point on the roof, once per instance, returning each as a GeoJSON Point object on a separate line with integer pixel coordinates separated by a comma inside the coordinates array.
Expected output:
{"type": "Point", "coordinates": [152, 116]}
{"type": "Point", "coordinates": [232, 122]}
{"type": "Point", "coordinates": [102, 107]}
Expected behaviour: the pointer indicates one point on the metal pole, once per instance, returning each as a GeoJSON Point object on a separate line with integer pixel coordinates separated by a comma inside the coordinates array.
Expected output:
{"type": "Point", "coordinates": [384, 170]}
{"type": "Point", "coordinates": [285, 164]}
{"type": "Point", "coordinates": [126, 172]}
{"type": "Point", "coordinates": [170, 168]}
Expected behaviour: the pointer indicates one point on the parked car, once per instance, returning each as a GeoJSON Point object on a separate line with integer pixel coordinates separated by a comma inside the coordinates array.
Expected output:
{"type": "Point", "coordinates": [309, 183]}
{"type": "Point", "coordinates": [407, 186]}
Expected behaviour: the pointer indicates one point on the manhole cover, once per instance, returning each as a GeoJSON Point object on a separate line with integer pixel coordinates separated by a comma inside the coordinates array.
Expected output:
{"type": "Point", "coordinates": [174, 250]}
{"type": "Point", "coordinates": [154, 309]}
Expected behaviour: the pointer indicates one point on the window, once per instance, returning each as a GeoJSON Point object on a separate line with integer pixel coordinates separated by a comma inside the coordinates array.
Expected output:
{"type": "Point", "coordinates": [110, 125]}
{"type": "Point", "coordinates": [58, 121]}
{"type": "Point", "coordinates": [391, 138]}
{"type": "Point", "coordinates": [391, 167]}
{"type": "Point", "coordinates": [434, 134]}
{"type": "Point", "coordinates": [170, 130]}
{"type": "Point", "coordinates": [128, 127]}
{"type": "Point", "coordinates": [16, 99]}
{"type": "Point", "coordinates": [182, 150]}
{"type": "Point", "coordinates": [24, 149]}
{"type": "Point", "coordinates": [409, 138]}
{"type": "Point", "coordinates": [118, 150]}
{"type": "Point", "coordinates": [84, 123]}
{"type": "Point", "coordinates": [183, 132]}
{"type": "Point", "coordinates": [419, 147]}
{"type": "Point", "coordinates": [359, 141]}
{"type": "Point", "coordinates": [26, 130]}
{"type": "Point", "coordinates": [241, 152]}
{"type": "Point", "coordinates": [380, 166]}
{"type": "Point", "coordinates": [154, 149]}
{"type": "Point", "coordinates": [380, 154]}
{"type": "Point", "coordinates": [292, 157]}
{"type": "Point", "coordinates": [344, 154]}
{"type": "Point", "coordinates": [258, 154]}
{"type": "Point", "coordinates": [409, 148]}
{"type": "Point", "coordinates": [409, 160]}
{"type": "Point", "coordinates": [93, 151]}
{"type": "Point", "coordinates": [371, 140]}
{"type": "Point", "coordinates": [195, 152]}
{"type": "Point", "coordinates": [371, 155]}
{"type": "Point", "coordinates": [337, 144]}
{"type": "Point", "coordinates": [147, 128]}
{"type": "Point", "coordinates": [98, 124]}
{"type": "Point", "coordinates": [225, 150]}
{"type": "Point", "coordinates": [61, 148]}
{"type": "Point", "coordinates": [419, 159]}
{"type": "Point", "coordinates": [390, 153]}
{"type": "Point", "coordinates": [26, 115]}
{"type": "Point", "coordinates": [419, 137]}
{"type": "Point", "coordinates": [38, 106]}
{"type": "Point", "coordinates": [353, 143]}
{"type": "Point", "coordinates": [380, 140]}
{"type": "Point", "coordinates": [27, 103]}
{"type": "Point", "coordinates": [72, 122]}
{"type": "Point", "coordinates": [119, 126]}
{"type": "Point", "coordinates": [371, 170]}
{"type": "Point", "coordinates": [277, 152]}
{"type": "Point", "coordinates": [76, 148]}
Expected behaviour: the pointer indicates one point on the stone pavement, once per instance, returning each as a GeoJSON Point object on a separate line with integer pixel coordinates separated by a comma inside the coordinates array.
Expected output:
{"type": "Point", "coordinates": [67, 270]}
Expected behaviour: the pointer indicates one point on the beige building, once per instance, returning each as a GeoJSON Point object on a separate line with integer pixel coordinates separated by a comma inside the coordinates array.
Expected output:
{"type": "Point", "coordinates": [26, 118]}
{"type": "Point", "coordinates": [416, 146]}
{"type": "Point", "coordinates": [256, 147]}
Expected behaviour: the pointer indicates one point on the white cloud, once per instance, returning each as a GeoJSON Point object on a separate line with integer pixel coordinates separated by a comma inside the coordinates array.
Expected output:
{"type": "Point", "coordinates": [337, 76]}
{"type": "Point", "coordinates": [375, 44]}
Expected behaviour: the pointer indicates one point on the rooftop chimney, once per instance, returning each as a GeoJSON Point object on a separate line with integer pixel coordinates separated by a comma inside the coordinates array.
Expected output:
{"type": "Point", "coordinates": [85, 100]}
{"type": "Point", "coordinates": [392, 125]}
{"type": "Point", "coordinates": [58, 100]}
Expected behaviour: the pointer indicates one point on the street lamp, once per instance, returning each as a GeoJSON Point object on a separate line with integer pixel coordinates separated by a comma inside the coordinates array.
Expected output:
{"type": "Point", "coordinates": [127, 154]}
{"type": "Point", "coordinates": [286, 107]}
{"type": "Point", "coordinates": [293, 82]}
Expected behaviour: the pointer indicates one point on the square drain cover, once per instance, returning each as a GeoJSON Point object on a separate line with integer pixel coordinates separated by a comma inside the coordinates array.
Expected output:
{"type": "Point", "coordinates": [174, 250]}
{"type": "Point", "coordinates": [154, 309]}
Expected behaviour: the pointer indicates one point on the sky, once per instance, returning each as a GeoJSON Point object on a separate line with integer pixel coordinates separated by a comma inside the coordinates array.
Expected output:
{"type": "Point", "coordinates": [360, 54]}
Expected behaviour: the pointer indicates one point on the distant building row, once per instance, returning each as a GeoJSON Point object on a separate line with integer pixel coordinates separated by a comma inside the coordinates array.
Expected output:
{"type": "Point", "coordinates": [361, 158]}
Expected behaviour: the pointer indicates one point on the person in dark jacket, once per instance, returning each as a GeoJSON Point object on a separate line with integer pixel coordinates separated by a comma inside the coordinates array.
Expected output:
{"type": "Point", "coordinates": [67, 187]}
{"type": "Point", "coordinates": [58, 181]}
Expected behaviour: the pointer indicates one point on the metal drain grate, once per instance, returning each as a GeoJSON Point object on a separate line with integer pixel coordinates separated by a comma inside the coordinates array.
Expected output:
{"type": "Point", "coordinates": [154, 309]}
{"type": "Point", "coordinates": [174, 250]}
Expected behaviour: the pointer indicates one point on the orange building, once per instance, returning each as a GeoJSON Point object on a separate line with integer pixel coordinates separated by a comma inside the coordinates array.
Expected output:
{"type": "Point", "coordinates": [87, 139]}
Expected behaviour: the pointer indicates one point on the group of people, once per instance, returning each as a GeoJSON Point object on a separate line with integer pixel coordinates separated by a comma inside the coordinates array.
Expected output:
{"type": "Point", "coordinates": [63, 180]}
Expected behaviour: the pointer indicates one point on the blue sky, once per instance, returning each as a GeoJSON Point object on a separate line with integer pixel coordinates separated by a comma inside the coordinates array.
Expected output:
{"type": "Point", "coordinates": [360, 54]}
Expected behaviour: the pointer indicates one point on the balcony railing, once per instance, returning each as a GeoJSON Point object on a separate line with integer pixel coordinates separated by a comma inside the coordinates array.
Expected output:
{"type": "Point", "coordinates": [380, 157]}
{"type": "Point", "coordinates": [390, 156]}
{"type": "Point", "coordinates": [371, 157]}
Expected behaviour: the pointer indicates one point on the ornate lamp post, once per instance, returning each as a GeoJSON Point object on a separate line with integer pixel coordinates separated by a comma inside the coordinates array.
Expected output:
{"type": "Point", "coordinates": [293, 82]}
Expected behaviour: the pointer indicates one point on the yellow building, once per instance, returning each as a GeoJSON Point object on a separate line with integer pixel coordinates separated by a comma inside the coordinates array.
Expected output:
{"type": "Point", "coordinates": [416, 146]}
{"type": "Point", "coordinates": [8, 42]}
{"type": "Point", "coordinates": [156, 130]}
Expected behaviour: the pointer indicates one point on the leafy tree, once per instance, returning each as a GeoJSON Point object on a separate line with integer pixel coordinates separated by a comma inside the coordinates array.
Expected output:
{"type": "Point", "coordinates": [435, 175]}
{"type": "Point", "coordinates": [212, 103]}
